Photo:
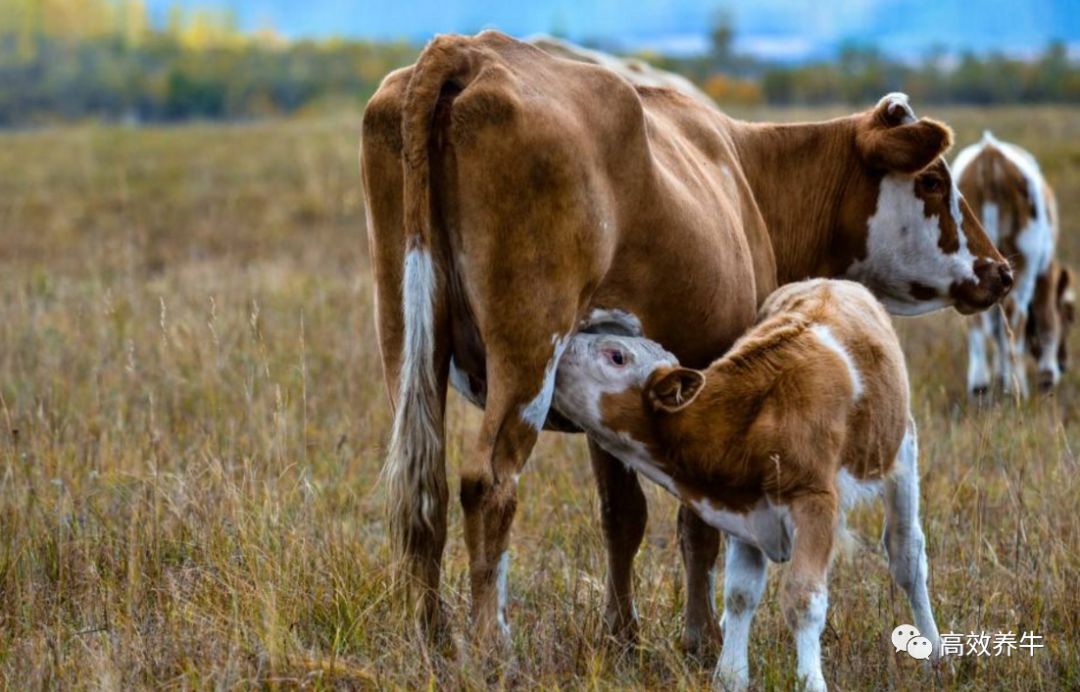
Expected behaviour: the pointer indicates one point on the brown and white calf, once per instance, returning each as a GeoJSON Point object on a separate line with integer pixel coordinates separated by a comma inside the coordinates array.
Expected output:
{"type": "Point", "coordinates": [1006, 189]}
{"type": "Point", "coordinates": [772, 443]}
{"type": "Point", "coordinates": [512, 195]}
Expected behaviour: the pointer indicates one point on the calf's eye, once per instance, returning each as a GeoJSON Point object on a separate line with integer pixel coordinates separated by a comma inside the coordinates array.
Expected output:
{"type": "Point", "coordinates": [616, 357]}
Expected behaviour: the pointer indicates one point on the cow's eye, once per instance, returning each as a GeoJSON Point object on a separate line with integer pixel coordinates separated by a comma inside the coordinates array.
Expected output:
{"type": "Point", "coordinates": [616, 357]}
{"type": "Point", "coordinates": [932, 184]}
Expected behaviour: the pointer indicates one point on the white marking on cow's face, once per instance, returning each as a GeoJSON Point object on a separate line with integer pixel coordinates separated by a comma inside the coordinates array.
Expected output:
{"type": "Point", "coordinates": [829, 341]}
{"type": "Point", "coordinates": [902, 250]}
{"type": "Point", "coordinates": [535, 412]}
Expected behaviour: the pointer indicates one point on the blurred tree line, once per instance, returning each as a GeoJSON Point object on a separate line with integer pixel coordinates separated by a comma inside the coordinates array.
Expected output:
{"type": "Point", "coordinates": [71, 59]}
{"type": "Point", "coordinates": [862, 74]}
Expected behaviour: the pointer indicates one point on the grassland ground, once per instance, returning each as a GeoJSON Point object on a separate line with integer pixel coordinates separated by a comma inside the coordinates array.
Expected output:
{"type": "Point", "coordinates": [192, 419]}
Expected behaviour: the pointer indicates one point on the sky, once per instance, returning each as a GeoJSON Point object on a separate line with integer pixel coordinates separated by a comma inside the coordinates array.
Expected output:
{"type": "Point", "coordinates": [788, 30]}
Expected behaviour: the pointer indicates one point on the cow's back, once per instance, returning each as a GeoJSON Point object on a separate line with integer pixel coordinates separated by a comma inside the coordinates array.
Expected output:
{"type": "Point", "coordinates": [641, 183]}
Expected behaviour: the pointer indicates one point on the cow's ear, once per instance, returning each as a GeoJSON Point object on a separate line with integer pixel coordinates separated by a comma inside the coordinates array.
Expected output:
{"type": "Point", "coordinates": [891, 138]}
{"type": "Point", "coordinates": [674, 389]}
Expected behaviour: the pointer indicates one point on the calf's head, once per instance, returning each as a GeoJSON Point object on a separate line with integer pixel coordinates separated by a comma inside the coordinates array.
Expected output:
{"type": "Point", "coordinates": [913, 239]}
{"type": "Point", "coordinates": [613, 386]}
{"type": "Point", "coordinates": [1053, 309]}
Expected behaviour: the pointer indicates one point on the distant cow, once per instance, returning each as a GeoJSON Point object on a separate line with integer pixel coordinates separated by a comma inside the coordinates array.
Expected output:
{"type": "Point", "coordinates": [514, 197]}
{"type": "Point", "coordinates": [807, 414]}
{"type": "Point", "coordinates": [1006, 189]}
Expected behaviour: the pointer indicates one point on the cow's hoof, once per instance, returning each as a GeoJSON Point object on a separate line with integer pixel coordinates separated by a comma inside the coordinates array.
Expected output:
{"type": "Point", "coordinates": [621, 629]}
{"type": "Point", "coordinates": [703, 645]}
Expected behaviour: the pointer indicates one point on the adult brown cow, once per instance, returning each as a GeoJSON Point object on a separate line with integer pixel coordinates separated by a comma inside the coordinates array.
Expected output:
{"type": "Point", "coordinates": [513, 196]}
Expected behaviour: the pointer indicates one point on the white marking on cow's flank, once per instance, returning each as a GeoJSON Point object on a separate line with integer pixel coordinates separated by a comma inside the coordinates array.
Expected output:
{"type": "Point", "coordinates": [829, 340]}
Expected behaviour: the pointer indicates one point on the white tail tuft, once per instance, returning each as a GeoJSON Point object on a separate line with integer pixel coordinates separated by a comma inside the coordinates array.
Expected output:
{"type": "Point", "coordinates": [415, 468]}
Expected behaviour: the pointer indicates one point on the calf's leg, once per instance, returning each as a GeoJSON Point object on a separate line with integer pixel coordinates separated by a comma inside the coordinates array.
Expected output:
{"type": "Point", "coordinates": [904, 540]}
{"type": "Point", "coordinates": [805, 597]}
{"type": "Point", "coordinates": [744, 581]}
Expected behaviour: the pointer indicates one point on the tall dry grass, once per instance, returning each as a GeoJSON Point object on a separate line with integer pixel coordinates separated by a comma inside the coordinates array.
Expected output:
{"type": "Point", "coordinates": [192, 419]}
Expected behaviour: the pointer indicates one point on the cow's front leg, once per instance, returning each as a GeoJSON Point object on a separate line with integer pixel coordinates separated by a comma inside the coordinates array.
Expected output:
{"type": "Point", "coordinates": [623, 513]}
{"type": "Point", "coordinates": [1009, 335]}
{"type": "Point", "coordinates": [700, 545]}
{"type": "Point", "coordinates": [978, 377]}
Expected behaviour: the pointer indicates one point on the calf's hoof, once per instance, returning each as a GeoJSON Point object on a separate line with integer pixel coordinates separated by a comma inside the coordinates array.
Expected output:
{"type": "Point", "coordinates": [730, 680]}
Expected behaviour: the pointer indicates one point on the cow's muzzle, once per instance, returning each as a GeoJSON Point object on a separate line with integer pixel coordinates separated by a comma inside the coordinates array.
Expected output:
{"type": "Point", "coordinates": [992, 282]}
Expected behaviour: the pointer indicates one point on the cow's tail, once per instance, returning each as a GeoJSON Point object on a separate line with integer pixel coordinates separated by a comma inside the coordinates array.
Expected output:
{"type": "Point", "coordinates": [415, 467]}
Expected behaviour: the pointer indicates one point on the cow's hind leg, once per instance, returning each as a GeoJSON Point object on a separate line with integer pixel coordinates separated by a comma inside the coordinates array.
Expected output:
{"type": "Point", "coordinates": [520, 388]}
{"type": "Point", "coordinates": [904, 540]}
{"type": "Point", "coordinates": [623, 514]}
{"type": "Point", "coordinates": [700, 546]}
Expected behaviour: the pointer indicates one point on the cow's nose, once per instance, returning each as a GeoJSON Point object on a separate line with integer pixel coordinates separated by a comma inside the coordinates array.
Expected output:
{"type": "Point", "coordinates": [994, 277]}
{"type": "Point", "coordinates": [1045, 380]}
{"type": "Point", "coordinates": [1006, 276]}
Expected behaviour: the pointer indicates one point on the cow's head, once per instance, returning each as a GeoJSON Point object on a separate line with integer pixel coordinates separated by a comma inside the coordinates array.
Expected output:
{"type": "Point", "coordinates": [1050, 317]}
{"type": "Point", "coordinates": [915, 242]}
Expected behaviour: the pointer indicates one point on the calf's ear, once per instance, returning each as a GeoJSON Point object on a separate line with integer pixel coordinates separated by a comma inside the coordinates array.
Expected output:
{"type": "Point", "coordinates": [891, 138]}
{"type": "Point", "coordinates": [675, 389]}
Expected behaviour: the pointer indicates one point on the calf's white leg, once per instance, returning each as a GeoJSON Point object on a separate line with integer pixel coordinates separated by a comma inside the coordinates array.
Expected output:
{"type": "Point", "coordinates": [805, 597]}
{"type": "Point", "coordinates": [744, 581]}
{"type": "Point", "coordinates": [904, 540]}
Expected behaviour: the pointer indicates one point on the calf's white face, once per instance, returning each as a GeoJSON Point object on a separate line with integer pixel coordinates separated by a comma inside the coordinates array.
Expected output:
{"type": "Point", "coordinates": [595, 365]}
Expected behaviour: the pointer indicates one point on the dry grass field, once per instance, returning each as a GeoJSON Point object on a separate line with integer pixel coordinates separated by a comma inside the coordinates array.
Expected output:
{"type": "Point", "coordinates": [192, 419]}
